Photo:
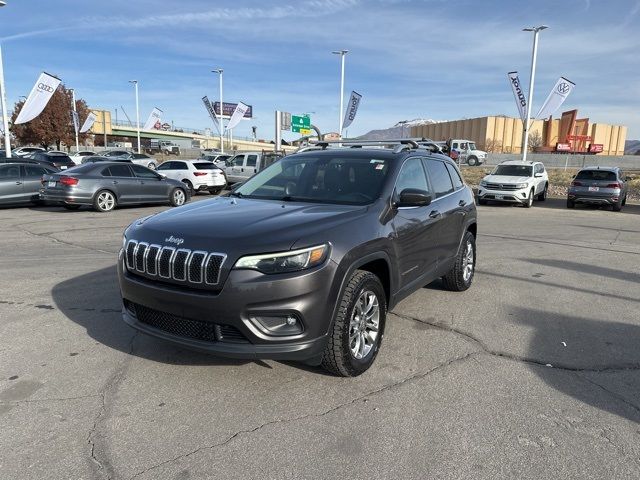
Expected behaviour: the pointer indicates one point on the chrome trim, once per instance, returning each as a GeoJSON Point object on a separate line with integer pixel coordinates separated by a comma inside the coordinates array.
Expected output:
{"type": "Point", "coordinates": [204, 274]}
{"type": "Point", "coordinates": [144, 257]}
{"type": "Point", "coordinates": [126, 254]}
{"type": "Point", "coordinates": [202, 264]}
{"type": "Point", "coordinates": [173, 253]}
{"type": "Point", "coordinates": [173, 265]}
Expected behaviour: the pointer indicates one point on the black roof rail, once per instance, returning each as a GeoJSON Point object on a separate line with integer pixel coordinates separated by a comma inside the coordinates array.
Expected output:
{"type": "Point", "coordinates": [408, 143]}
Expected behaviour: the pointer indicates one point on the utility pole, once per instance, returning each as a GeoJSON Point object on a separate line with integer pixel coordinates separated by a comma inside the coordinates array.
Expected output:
{"type": "Point", "coordinates": [135, 84]}
{"type": "Point", "coordinates": [5, 114]}
{"type": "Point", "coordinates": [534, 54]}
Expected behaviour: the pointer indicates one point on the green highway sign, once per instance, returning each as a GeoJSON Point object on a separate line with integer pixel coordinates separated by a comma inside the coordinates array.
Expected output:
{"type": "Point", "coordinates": [300, 123]}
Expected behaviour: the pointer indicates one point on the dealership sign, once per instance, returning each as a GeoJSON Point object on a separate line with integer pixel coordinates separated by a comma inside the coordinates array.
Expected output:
{"type": "Point", "coordinates": [229, 108]}
{"type": "Point", "coordinates": [40, 95]}
{"type": "Point", "coordinates": [563, 147]}
{"type": "Point", "coordinates": [518, 94]}
{"type": "Point", "coordinates": [596, 148]}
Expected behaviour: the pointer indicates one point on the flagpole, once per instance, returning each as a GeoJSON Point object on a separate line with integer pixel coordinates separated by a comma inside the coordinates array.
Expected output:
{"type": "Point", "coordinates": [342, 54]}
{"type": "Point", "coordinates": [221, 118]}
{"type": "Point", "coordinates": [5, 119]}
{"type": "Point", "coordinates": [75, 119]}
{"type": "Point", "coordinates": [534, 54]}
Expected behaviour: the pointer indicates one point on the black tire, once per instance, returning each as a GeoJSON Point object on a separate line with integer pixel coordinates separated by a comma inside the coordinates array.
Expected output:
{"type": "Point", "coordinates": [177, 197]}
{"type": "Point", "coordinates": [215, 190]}
{"type": "Point", "coordinates": [571, 204]}
{"type": "Point", "coordinates": [338, 357]}
{"type": "Point", "coordinates": [189, 186]}
{"type": "Point", "coordinates": [542, 196]}
{"type": "Point", "coordinates": [482, 201]}
{"type": "Point", "coordinates": [529, 202]}
{"type": "Point", "coordinates": [71, 207]}
{"type": "Point", "coordinates": [624, 201]}
{"type": "Point", "coordinates": [472, 161]}
{"type": "Point", "coordinates": [104, 201]}
{"type": "Point", "coordinates": [616, 207]}
{"type": "Point", "coordinates": [460, 277]}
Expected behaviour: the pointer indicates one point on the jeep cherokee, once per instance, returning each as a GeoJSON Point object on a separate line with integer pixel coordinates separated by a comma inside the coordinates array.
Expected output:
{"type": "Point", "coordinates": [304, 260]}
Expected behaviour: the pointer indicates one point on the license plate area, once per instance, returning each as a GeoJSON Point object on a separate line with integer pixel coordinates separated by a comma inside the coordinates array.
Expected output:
{"type": "Point", "coordinates": [51, 183]}
{"type": "Point", "coordinates": [499, 197]}
{"type": "Point", "coordinates": [594, 189]}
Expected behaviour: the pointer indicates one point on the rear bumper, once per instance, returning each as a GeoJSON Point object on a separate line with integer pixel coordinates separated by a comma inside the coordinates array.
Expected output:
{"type": "Point", "coordinates": [62, 196]}
{"type": "Point", "coordinates": [595, 198]}
{"type": "Point", "coordinates": [210, 183]}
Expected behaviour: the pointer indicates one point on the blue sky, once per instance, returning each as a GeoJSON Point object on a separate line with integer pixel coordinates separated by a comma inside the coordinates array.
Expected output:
{"type": "Point", "coordinates": [431, 58]}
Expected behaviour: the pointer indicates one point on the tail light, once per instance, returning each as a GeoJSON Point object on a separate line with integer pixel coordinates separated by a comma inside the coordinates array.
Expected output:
{"type": "Point", "coordinates": [614, 185]}
{"type": "Point", "coordinates": [199, 174]}
{"type": "Point", "coordinates": [576, 184]}
{"type": "Point", "coordinates": [68, 181]}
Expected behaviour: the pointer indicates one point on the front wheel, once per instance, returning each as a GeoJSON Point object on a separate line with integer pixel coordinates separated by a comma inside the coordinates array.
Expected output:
{"type": "Point", "coordinates": [461, 274]}
{"type": "Point", "coordinates": [472, 161]}
{"type": "Point", "coordinates": [104, 201]}
{"type": "Point", "coordinates": [178, 197]}
{"type": "Point", "coordinates": [356, 333]}
{"type": "Point", "coordinates": [529, 201]}
{"type": "Point", "coordinates": [543, 195]}
{"type": "Point", "coordinates": [151, 165]}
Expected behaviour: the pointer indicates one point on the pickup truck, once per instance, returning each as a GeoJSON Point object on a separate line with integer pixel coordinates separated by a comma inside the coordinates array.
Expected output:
{"type": "Point", "coordinates": [166, 147]}
{"type": "Point", "coordinates": [244, 165]}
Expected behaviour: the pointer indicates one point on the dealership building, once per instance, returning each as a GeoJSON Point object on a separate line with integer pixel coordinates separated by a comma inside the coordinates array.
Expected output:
{"type": "Point", "coordinates": [501, 134]}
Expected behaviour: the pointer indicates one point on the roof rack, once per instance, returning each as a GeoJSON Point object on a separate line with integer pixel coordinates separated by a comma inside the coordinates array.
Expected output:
{"type": "Point", "coordinates": [400, 144]}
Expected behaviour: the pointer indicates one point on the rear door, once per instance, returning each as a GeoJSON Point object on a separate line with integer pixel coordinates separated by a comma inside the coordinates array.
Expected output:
{"type": "Point", "coordinates": [152, 188]}
{"type": "Point", "coordinates": [31, 175]}
{"type": "Point", "coordinates": [11, 185]}
{"type": "Point", "coordinates": [121, 180]}
{"type": "Point", "coordinates": [236, 169]}
{"type": "Point", "coordinates": [170, 170]}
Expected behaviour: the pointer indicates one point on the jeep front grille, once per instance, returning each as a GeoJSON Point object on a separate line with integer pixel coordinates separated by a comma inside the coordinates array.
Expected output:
{"type": "Point", "coordinates": [195, 268]}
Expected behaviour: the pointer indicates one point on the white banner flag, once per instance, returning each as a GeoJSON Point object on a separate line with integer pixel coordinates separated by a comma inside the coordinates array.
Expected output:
{"type": "Point", "coordinates": [75, 120]}
{"type": "Point", "coordinates": [88, 123]}
{"type": "Point", "coordinates": [352, 109]}
{"type": "Point", "coordinates": [211, 111]}
{"type": "Point", "coordinates": [238, 113]}
{"type": "Point", "coordinates": [556, 98]}
{"type": "Point", "coordinates": [154, 120]}
{"type": "Point", "coordinates": [518, 94]}
{"type": "Point", "coordinates": [40, 95]}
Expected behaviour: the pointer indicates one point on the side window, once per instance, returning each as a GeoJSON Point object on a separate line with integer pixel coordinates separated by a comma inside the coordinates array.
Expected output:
{"type": "Point", "coordinates": [34, 171]}
{"type": "Point", "coordinates": [181, 166]}
{"type": "Point", "coordinates": [165, 166]}
{"type": "Point", "coordinates": [143, 172]}
{"type": "Point", "coordinates": [463, 145]}
{"type": "Point", "coordinates": [412, 176]}
{"type": "Point", "coordinates": [105, 172]}
{"type": "Point", "coordinates": [455, 176]}
{"type": "Point", "coordinates": [237, 160]}
{"type": "Point", "coordinates": [455, 145]}
{"type": "Point", "coordinates": [252, 160]}
{"type": "Point", "coordinates": [439, 176]}
{"type": "Point", "coordinates": [120, 171]}
{"type": "Point", "coordinates": [9, 171]}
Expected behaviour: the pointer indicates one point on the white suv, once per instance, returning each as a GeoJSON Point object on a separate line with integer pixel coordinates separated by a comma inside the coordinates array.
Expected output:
{"type": "Point", "coordinates": [197, 175]}
{"type": "Point", "coordinates": [515, 182]}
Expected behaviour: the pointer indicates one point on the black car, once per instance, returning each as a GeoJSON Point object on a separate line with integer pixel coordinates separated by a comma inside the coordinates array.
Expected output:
{"type": "Point", "coordinates": [20, 182]}
{"type": "Point", "coordinates": [303, 261]}
{"type": "Point", "coordinates": [59, 160]}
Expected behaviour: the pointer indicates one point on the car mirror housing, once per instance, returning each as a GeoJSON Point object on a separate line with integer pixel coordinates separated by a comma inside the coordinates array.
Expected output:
{"type": "Point", "coordinates": [538, 175]}
{"type": "Point", "coordinates": [414, 197]}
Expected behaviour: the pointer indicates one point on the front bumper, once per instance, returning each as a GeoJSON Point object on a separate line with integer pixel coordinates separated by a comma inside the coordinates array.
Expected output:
{"type": "Point", "coordinates": [509, 196]}
{"type": "Point", "coordinates": [244, 295]}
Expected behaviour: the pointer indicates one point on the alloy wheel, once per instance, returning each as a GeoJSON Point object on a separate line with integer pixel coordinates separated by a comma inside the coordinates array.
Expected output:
{"type": "Point", "coordinates": [468, 262]}
{"type": "Point", "coordinates": [364, 325]}
{"type": "Point", "coordinates": [178, 197]}
{"type": "Point", "coordinates": [106, 201]}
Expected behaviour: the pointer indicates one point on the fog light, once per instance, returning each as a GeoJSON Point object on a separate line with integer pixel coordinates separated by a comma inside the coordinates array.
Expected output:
{"type": "Point", "coordinates": [280, 325]}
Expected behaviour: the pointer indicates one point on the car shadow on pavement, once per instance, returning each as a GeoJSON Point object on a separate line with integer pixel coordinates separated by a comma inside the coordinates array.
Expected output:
{"type": "Point", "coordinates": [603, 356]}
{"type": "Point", "coordinates": [93, 301]}
{"type": "Point", "coordinates": [586, 268]}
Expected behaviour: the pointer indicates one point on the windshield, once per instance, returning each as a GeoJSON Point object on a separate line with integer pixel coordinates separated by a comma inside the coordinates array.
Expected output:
{"type": "Point", "coordinates": [514, 170]}
{"type": "Point", "coordinates": [307, 178]}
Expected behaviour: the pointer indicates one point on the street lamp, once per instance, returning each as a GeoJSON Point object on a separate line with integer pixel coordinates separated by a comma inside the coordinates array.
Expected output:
{"type": "Point", "coordinates": [534, 54]}
{"type": "Point", "coordinates": [342, 54]}
{"type": "Point", "coordinates": [135, 84]}
{"type": "Point", "coordinates": [3, 101]}
{"type": "Point", "coordinates": [219, 72]}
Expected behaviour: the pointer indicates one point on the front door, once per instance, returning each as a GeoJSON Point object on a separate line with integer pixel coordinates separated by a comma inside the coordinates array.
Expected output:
{"type": "Point", "coordinates": [152, 187]}
{"type": "Point", "coordinates": [236, 170]}
{"type": "Point", "coordinates": [31, 176]}
{"type": "Point", "coordinates": [122, 182]}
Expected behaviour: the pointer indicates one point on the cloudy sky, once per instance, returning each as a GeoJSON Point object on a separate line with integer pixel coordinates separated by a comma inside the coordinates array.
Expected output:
{"type": "Point", "coordinates": [439, 59]}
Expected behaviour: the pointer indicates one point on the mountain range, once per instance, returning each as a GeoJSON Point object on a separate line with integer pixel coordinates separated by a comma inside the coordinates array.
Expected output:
{"type": "Point", "coordinates": [401, 129]}
{"type": "Point", "coordinates": [632, 147]}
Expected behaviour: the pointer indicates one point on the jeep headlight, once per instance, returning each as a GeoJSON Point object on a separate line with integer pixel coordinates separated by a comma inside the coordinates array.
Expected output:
{"type": "Point", "coordinates": [283, 262]}
{"type": "Point", "coordinates": [522, 185]}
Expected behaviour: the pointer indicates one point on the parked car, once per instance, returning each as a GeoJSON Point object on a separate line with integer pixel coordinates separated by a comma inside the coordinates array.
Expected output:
{"type": "Point", "coordinates": [197, 175]}
{"type": "Point", "coordinates": [105, 185]}
{"type": "Point", "coordinates": [59, 160]}
{"type": "Point", "coordinates": [244, 165]}
{"type": "Point", "coordinates": [303, 261]}
{"type": "Point", "coordinates": [77, 157]}
{"type": "Point", "coordinates": [23, 151]}
{"type": "Point", "coordinates": [115, 153]}
{"type": "Point", "coordinates": [137, 158]}
{"type": "Point", "coordinates": [220, 159]}
{"type": "Point", "coordinates": [20, 182]}
{"type": "Point", "coordinates": [599, 186]}
{"type": "Point", "coordinates": [166, 147]}
{"type": "Point", "coordinates": [98, 158]}
{"type": "Point", "coordinates": [515, 181]}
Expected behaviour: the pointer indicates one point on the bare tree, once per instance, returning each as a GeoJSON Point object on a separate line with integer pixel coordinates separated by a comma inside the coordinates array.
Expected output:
{"type": "Point", "coordinates": [493, 146]}
{"type": "Point", "coordinates": [535, 140]}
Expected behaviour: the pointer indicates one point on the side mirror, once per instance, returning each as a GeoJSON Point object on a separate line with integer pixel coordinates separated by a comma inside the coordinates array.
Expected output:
{"type": "Point", "coordinates": [162, 176]}
{"type": "Point", "coordinates": [538, 175]}
{"type": "Point", "coordinates": [414, 197]}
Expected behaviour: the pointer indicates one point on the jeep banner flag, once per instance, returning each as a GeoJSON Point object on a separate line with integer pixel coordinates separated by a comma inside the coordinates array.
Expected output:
{"type": "Point", "coordinates": [212, 113]}
{"type": "Point", "coordinates": [518, 94]}
{"type": "Point", "coordinates": [352, 109]}
{"type": "Point", "coordinates": [238, 113]}
{"type": "Point", "coordinates": [40, 95]}
{"type": "Point", "coordinates": [556, 98]}
{"type": "Point", "coordinates": [154, 120]}
{"type": "Point", "coordinates": [88, 123]}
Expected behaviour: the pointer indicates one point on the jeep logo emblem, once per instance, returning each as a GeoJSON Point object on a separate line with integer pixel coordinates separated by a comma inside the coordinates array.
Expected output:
{"type": "Point", "coordinates": [172, 239]}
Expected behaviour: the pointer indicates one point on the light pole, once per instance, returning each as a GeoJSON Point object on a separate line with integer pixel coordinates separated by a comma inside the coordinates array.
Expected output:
{"type": "Point", "coordinates": [219, 72]}
{"type": "Point", "coordinates": [534, 54]}
{"type": "Point", "coordinates": [135, 84]}
{"type": "Point", "coordinates": [75, 117]}
{"type": "Point", "coordinates": [3, 100]}
{"type": "Point", "coordinates": [342, 54]}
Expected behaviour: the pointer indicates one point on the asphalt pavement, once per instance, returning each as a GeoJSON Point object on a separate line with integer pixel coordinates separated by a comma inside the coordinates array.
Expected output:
{"type": "Point", "coordinates": [532, 373]}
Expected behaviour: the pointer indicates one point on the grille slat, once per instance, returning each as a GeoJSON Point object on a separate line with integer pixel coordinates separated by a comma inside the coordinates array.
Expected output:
{"type": "Point", "coordinates": [501, 186]}
{"type": "Point", "coordinates": [197, 269]}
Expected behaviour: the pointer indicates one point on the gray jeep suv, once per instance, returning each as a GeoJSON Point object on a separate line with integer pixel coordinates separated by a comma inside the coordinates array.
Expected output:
{"type": "Point", "coordinates": [303, 261]}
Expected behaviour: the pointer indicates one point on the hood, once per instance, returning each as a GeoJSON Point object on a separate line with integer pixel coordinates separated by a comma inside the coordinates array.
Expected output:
{"type": "Point", "coordinates": [237, 226]}
{"type": "Point", "coordinates": [505, 179]}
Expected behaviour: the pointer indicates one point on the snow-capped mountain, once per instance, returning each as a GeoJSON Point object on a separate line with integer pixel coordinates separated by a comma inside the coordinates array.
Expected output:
{"type": "Point", "coordinates": [401, 129]}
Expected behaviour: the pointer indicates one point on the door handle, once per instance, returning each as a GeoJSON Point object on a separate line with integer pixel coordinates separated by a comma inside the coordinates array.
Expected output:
{"type": "Point", "coordinates": [462, 203]}
{"type": "Point", "coordinates": [115, 182]}
{"type": "Point", "coordinates": [242, 169]}
{"type": "Point", "coordinates": [18, 183]}
{"type": "Point", "coordinates": [434, 214]}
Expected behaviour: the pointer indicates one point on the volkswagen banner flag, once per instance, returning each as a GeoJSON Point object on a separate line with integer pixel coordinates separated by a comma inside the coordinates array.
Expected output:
{"type": "Point", "coordinates": [154, 120]}
{"type": "Point", "coordinates": [40, 95]}
{"type": "Point", "coordinates": [211, 111]}
{"type": "Point", "coordinates": [352, 109]}
{"type": "Point", "coordinates": [238, 114]}
{"type": "Point", "coordinates": [88, 123]}
{"type": "Point", "coordinates": [518, 93]}
{"type": "Point", "coordinates": [556, 98]}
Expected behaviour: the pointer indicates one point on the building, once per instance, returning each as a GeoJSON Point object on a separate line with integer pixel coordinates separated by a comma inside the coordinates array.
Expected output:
{"type": "Point", "coordinates": [502, 134]}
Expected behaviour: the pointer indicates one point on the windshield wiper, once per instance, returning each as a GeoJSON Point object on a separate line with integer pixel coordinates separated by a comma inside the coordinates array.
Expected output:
{"type": "Point", "coordinates": [236, 194]}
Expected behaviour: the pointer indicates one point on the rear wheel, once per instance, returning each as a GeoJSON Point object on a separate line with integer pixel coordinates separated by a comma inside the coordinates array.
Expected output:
{"type": "Point", "coordinates": [617, 206]}
{"type": "Point", "coordinates": [356, 333]}
{"type": "Point", "coordinates": [461, 274]}
{"type": "Point", "coordinates": [529, 201]}
{"type": "Point", "coordinates": [178, 197]}
{"type": "Point", "coordinates": [104, 201]}
{"type": "Point", "coordinates": [542, 196]}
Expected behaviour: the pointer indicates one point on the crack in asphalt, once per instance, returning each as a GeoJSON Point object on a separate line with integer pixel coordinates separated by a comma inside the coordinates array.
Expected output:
{"type": "Point", "coordinates": [547, 242]}
{"type": "Point", "coordinates": [62, 242]}
{"type": "Point", "coordinates": [619, 397]}
{"type": "Point", "coordinates": [417, 376]}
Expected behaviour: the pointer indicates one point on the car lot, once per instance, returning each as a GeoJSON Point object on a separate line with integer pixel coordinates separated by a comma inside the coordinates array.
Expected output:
{"type": "Point", "coordinates": [532, 373]}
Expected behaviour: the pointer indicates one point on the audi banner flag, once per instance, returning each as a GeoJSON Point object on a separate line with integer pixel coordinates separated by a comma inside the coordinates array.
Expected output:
{"type": "Point", "coordinates": [518, 94]}
{"type": "Point", "coordinates": [40, 95]}
{"type": "Point", "coordinates": [352, 109]}
{"type": "Point", "coordinates": [88, 123]}
{"type": "Point", "coordinates": [211, 111]}
{"type": "Point", "coordinates": [556, 98]}
{"type": "Point", "coordinates": [238, 113]}
{"type": "Point", "coordinates": [154, 120]}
